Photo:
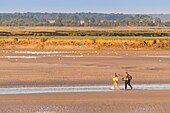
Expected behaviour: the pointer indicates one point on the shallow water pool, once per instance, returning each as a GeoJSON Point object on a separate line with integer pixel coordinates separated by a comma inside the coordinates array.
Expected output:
{"type": "Point", "coordinates": [84, 88]}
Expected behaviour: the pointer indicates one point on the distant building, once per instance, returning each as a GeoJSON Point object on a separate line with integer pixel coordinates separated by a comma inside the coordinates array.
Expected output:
{"type": "Point", "coordinates": [115, 21]}
{"type": "Point", "coordinates": [101, 21]}
{"type": "Point", "coordinates": [82, 21]}
{"type": "Point", "coordinates": [51, 21]}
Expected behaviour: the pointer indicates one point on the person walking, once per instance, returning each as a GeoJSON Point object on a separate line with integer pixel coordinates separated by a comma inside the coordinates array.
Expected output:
{"type": "Point", "coordinates": [127, 80]}
{"type": "Point", "coordinates": [115, 81]}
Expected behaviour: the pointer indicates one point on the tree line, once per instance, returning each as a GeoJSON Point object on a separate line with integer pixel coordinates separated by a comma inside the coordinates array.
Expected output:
{"type": "Point", "coordinates": [78, 19]}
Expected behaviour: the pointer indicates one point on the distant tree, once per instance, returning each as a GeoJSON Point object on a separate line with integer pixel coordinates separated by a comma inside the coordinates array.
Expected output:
{"type": "Point", "coordinates": [73, 19]}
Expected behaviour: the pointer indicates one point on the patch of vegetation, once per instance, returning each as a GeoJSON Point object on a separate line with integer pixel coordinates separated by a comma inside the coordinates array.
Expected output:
{"type": "Point", "coordinates": [16, 39]}
{"type": "Point", "coordinates": [44, 39]}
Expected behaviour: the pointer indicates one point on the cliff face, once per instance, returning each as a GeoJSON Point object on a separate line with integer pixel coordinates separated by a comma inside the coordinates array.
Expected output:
{"type": "Point", "coordinates": [44, 43]}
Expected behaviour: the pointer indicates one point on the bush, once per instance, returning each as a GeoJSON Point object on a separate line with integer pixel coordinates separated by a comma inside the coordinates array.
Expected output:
{"type": "Point", "coordinates": [16, 39]}
{"type": "Point", "coordinates": [44, 39]}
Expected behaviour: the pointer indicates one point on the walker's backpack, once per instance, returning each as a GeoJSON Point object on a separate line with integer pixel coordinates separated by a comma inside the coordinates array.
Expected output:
{"type": "Point", "coordinates": [129, 77]}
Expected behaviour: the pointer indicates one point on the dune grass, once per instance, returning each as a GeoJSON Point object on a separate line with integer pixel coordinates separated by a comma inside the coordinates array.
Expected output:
{"type": "Point", "coordinates": [88, 37]}
{"type": "Point", "coordinates": [53, 29]}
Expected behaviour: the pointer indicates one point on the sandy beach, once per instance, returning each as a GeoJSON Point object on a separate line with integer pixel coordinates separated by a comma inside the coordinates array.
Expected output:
{"type": "Point", "coordinates": [84, 56]}
{"type": "Point", "coordinates": [113, 102]}
{"type": "Point", "coordinates": [82, 67]}
{"type": "Point", "coordinates": [22, 68]}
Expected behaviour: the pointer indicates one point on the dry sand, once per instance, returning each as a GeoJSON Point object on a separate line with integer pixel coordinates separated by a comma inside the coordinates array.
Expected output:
{"type": "Point", "coordinates": [96, 67]}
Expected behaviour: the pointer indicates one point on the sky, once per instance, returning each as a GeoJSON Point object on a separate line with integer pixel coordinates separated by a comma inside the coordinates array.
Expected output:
{"type": "Point", "coordinates": [97, 6]}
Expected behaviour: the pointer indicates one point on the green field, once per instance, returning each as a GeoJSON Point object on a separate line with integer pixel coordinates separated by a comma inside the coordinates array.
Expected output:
{"type": "Point", "coordinates": [86, 31]}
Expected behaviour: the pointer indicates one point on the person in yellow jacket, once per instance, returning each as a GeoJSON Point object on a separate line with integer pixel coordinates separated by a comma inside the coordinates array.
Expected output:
{"type": "Point", "coordinates": [115, 81]}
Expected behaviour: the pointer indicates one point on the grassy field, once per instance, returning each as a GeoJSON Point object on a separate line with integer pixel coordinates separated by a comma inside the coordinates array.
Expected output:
{"type": "Point", "coordinates": [42, 41]}
{"type": "Point", "coordinates": [53, 29]}
{"type": "Point", "coordinates": [87, 37]}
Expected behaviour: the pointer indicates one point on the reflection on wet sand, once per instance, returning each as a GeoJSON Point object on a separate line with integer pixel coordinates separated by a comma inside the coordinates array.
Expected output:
{"type": "Point", "coordinates": [84, 88]}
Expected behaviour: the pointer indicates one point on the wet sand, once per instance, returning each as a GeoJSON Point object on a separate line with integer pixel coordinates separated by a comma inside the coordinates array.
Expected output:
{"type": "Point", "coordinates": [106, 102]}
{"type": "Point", "coordinates": [83, 68]}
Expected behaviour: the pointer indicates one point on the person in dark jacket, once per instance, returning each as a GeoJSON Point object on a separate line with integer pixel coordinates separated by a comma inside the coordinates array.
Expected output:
{"type": "Point", "coordinates": [127, 80]}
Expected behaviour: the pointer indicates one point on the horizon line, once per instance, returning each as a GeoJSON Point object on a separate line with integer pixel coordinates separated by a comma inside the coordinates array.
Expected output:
{"type": "Point", "coordinates": [83, 12]}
